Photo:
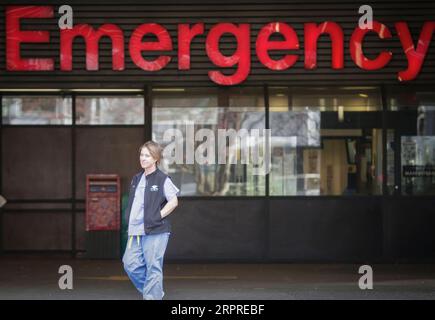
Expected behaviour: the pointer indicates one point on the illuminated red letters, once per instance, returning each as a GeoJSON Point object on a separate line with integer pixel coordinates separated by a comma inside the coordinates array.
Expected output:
{"type": "Point", "coordinates": [415, 57]}
{"type": "Point", "coordinates": [14, 38]}
{"type": "Point", "coordinates": [136, 46]}
{"type": "Point", "coordinates": [312, 33]}
{"type": "Point", "coordinates": [238, 64]}
{"type": "Point", "coordinates": [92, 38]}
{"type": "Point", "coordinates": [185, 37]}
{"type": "Point", "coordinates": [356, 50]}
{"type": "Point", "coordinates": [241, 58]}
{"type": "Point", "coordinates": [264, 45]}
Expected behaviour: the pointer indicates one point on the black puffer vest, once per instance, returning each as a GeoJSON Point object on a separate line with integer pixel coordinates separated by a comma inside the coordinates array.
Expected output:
{"type": "Point", "coordinates": [154, 201]}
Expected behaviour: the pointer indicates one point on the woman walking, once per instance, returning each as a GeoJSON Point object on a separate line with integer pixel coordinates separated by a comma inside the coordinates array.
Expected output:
{"type": "Point", "coordinates": [152, 197]}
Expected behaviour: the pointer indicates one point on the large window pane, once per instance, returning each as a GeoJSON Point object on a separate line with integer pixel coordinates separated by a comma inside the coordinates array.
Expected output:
{"type": "Point", "coordinates": [325, 141]}
{"type": "Point", "coordinates": [39, 110]}
{"type": "Point", "coordinates": [110, 110]}
{"type": "Point", "coordinates": [411, 121]}
{"type": "Point", "coordinates": [191, 111]}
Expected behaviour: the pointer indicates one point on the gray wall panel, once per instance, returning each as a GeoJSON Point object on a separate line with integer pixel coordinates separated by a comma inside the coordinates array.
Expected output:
{"type": "Point", "coordinates": [37, 231]}
{"type": "Point", "coordinates": [36, 163]}
{"type": "Point", "coordinates": [325, 229]}
{"type": "Point", "coordinates": [217, 230]}
{"type": "Point", "coordinates": [409, 228]}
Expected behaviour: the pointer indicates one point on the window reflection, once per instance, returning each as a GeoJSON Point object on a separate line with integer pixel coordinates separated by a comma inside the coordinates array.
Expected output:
{"type": "Point", "coordinates": [326, 141]}
{"type": "Point", "coordinates": [189, 111]}
{"type": "Point", "coordinates": [411, 123]}
{"type": "Point", "coordinates": [39, 110]}
{"type": "Point", "coordinates": [350, 99]}
{"type": "Point", "coordinates": [108, 110]}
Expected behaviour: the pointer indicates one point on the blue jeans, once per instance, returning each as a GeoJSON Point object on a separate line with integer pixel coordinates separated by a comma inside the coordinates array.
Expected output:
{"type": "Point", "coordinates": [143, 263]}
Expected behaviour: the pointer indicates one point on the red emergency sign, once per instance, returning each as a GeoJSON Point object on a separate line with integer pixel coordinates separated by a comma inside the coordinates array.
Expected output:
{"type": "Point", "coordinates": [240, 59]}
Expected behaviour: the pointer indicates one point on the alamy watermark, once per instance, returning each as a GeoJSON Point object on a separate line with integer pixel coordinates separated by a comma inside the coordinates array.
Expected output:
{"type": "Point", "coordinates": [228, 146]}
{"type": "Point", "coordinates": [366, 280]}
{"type": "Point", "coordinates": [66, 280]}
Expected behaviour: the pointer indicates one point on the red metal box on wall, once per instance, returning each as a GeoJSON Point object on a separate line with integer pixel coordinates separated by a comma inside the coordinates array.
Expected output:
{"type": "Point", "coordinates": [103, 196]}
